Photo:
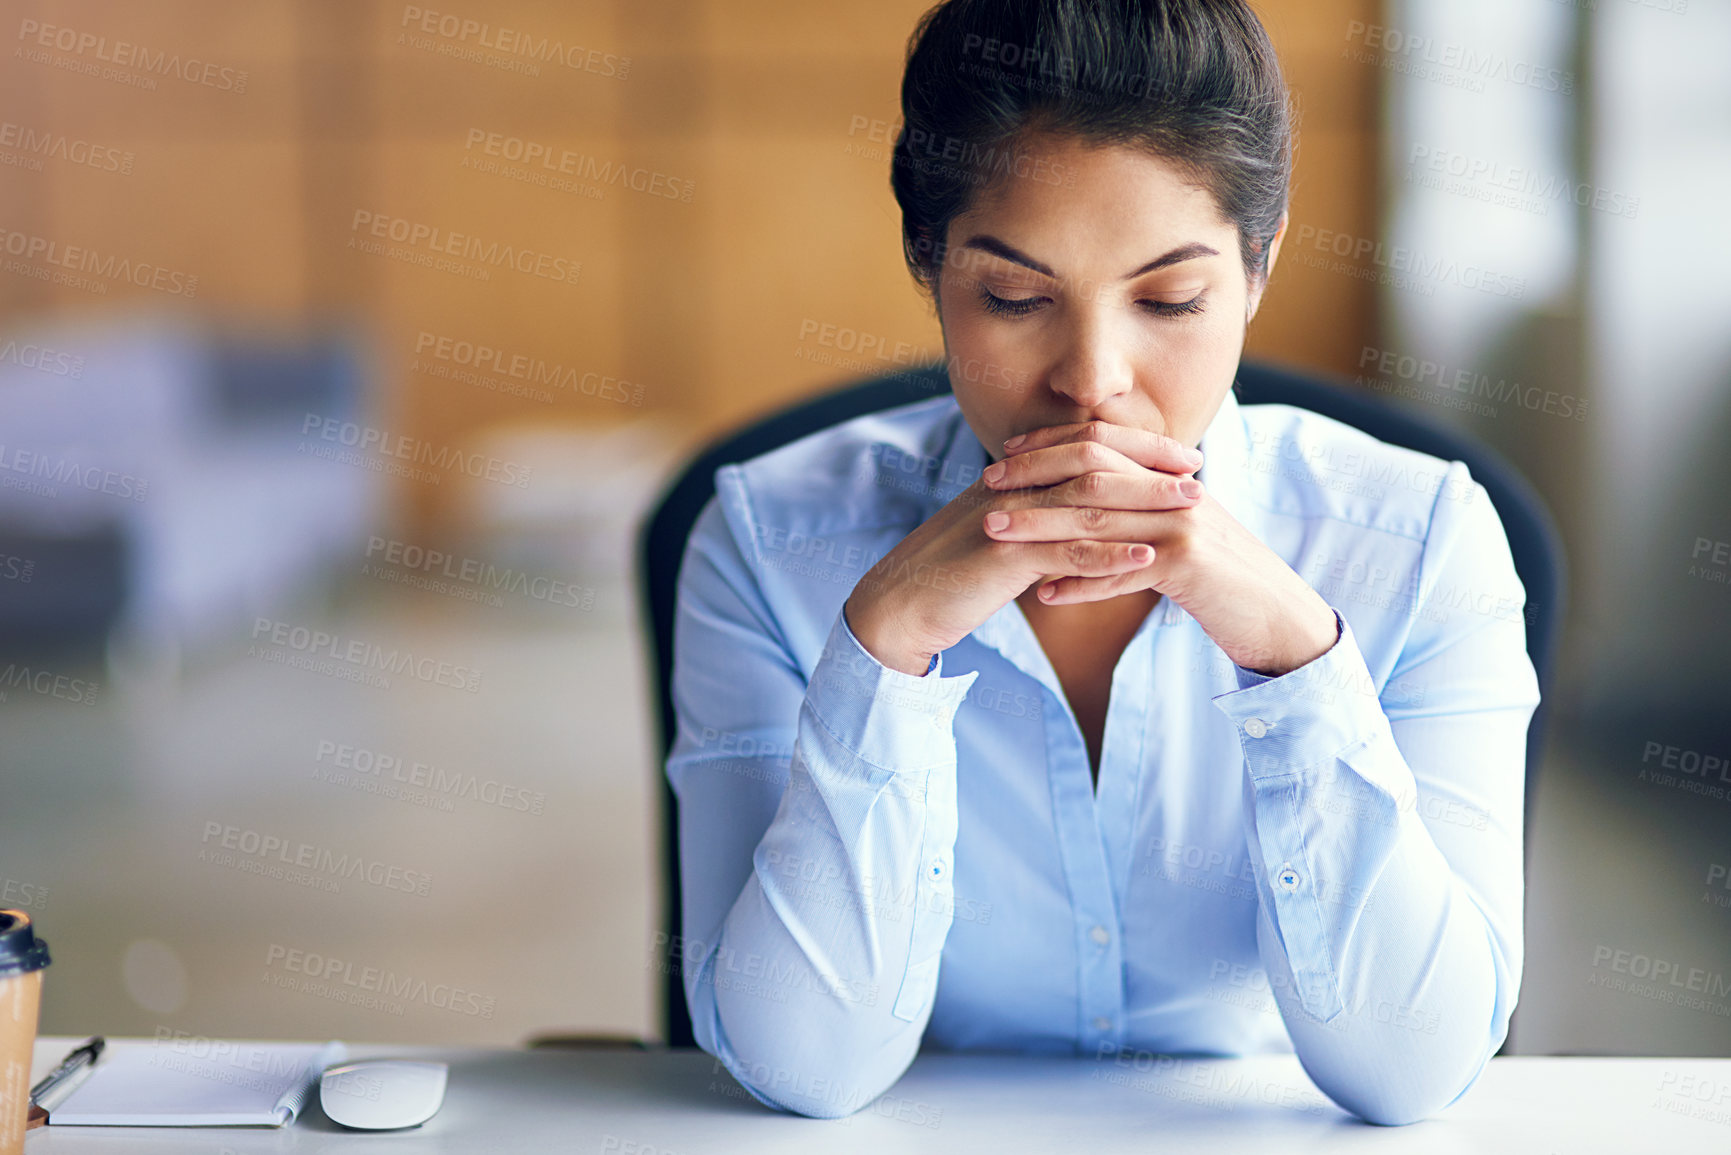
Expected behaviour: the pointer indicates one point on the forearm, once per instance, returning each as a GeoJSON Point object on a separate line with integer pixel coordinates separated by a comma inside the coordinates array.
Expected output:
{"type": "Point", "coordinates": [819, 984]}
{"type": "Point", "coordinates": [1395, 971]}
{"type": "Point", "coordinates": [1401, 993]}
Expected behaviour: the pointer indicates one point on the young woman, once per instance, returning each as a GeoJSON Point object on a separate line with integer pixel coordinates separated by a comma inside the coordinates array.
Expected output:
{"type": "Point", "coordinates": [1086, 710]}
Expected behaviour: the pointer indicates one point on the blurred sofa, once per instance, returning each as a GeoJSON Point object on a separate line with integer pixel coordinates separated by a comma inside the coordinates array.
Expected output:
{"type": "Point", "coordinates": [152, 484]}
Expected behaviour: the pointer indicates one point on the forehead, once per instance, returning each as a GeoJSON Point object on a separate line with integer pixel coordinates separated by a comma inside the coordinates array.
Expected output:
{"type": "Point", "coordinates": [1065, 186]}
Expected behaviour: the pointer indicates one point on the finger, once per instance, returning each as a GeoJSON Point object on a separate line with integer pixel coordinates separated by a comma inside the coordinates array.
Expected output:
{"type": "Point", "coordinates": [1083, 558]}
{"type": "Point", "coordinates": [1067, 590]}
{"type": "Point", "coordinates": [1057, 463]}
{"type": "Point", "coordinates": [1143, 490]}
{"type": "Point", "coordinates": [1152, 450]}
{"type": "Point", "coordinates": [1073, 523]}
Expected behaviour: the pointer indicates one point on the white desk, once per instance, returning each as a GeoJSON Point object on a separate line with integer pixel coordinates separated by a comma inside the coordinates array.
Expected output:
{"type": "Point", "coordinates": [680, 1103]}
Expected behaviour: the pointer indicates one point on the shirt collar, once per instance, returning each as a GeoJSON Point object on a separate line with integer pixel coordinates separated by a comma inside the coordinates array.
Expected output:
{"type": "Point", "coordinates": [1226, 463]}
{"type": "Point", "coordinates": [959, 465]}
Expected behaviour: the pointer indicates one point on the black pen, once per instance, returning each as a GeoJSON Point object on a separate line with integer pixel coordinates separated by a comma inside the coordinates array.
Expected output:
{"type": "Point", "coordinates": [80, 1058]}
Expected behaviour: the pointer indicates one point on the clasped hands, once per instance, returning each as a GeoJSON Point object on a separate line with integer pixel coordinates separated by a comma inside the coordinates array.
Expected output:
{"type": "Point", "coordinates": [1091, 511]}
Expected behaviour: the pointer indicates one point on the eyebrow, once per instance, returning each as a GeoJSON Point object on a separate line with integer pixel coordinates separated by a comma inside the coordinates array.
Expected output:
{"type": "Point", "coordinates": [991, 244]}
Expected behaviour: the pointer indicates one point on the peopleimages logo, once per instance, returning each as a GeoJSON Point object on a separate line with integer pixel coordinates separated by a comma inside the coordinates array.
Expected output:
{"type": "Point", "coordinates": [533, 370]}
{"type": "Point", "coordinates": [411, 563]}
{"type": "Point", "coordinates": [18, 895]}
{"type": "Point", "coordinates": [42, 359]}
{"type": "Point", "coordinates": [368, 439]}
{"type": "Point", "coordinates": [1457, 65]}
{"type": "Point", "coordinates": [1397, 265]}
{"type": "Point", "coordinates": [75, 259]}
{"type": "Point", "coordinates": [125, 54]}
{"type": "Point", "coordinates": [1517, 186]}
{"type": "Point", "coordinates": [48, 684]}
{"type": "Point", "coordinates": [424, 243]}
{"type": "Point", "coordinates": [222, 842]}
{"type": "Point", "coordinates": [358, 765]}
{"type": "Point", "coordinates": [562, 162]}
{"type": "Point", "coordinates": [32, 145]}
{"type": "Point", "coordinates": [1673, 974]}
{"type": "Point", "coordinates": [54, 471]}
{"type": "Point", "coordinates": [460, 33]}
{"type": "Point", "coordinates": [221, 1061]}
{"type": "Point", "coordinates": [342, 980]}
{"type": "Point", "coordinates": [312, 644]}
{"type": "Point", "coordinates": [1413, 376]}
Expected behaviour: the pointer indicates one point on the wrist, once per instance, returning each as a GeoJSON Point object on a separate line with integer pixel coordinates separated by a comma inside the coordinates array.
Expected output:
{"type": "Point", "coordinates": [881, 642]}
{"type": "Point", "coordinates": [1317, 634]}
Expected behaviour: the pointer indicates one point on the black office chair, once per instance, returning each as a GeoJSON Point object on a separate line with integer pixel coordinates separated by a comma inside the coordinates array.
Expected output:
{"type": "Point", "coordinates": [1533, 540]}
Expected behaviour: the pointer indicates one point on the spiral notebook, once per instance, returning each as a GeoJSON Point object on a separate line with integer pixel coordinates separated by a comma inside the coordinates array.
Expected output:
{"type": "Point", "coordinates": [197, 1082]}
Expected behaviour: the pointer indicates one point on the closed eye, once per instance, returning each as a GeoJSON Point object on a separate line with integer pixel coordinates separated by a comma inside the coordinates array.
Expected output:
{"type": "Point", "coordinates": [1008, 306]}
{"type": "Point", "coordinates": [1176, 308]}
{"type": "Point", "coordinates": [1022, 306]}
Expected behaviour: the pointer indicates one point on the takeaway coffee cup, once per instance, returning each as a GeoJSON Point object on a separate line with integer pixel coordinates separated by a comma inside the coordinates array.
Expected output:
{"type": "Point", "coordinates": [22, 957]}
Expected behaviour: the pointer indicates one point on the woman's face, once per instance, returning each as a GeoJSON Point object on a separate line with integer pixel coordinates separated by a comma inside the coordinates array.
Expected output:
{"type": "Point", "coordinates": [1118, 294]}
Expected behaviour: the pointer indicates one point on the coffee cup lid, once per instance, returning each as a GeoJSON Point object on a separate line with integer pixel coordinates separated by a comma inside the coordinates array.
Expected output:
{"type": "Point", "coordinates": [20, 950]}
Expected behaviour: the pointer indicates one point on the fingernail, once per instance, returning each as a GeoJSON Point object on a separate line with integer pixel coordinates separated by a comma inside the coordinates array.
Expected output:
{"type": "Point", "coordinates": [1195, 459]}
{"type": "Point", "coordinates": [997, 520]}
{"type": "Point", "coordinates": [1141, 553]}
{"type": "Point", "coordinates": [1190, 487]}
{"type": "Point", "coordinates": [993, 472]}
{"type": "Point", "coordinates": [1015, 441]}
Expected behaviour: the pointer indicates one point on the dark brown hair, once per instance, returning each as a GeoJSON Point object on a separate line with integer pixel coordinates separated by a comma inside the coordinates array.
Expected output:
{"type": "Point", "coordinates": [1193, 81]}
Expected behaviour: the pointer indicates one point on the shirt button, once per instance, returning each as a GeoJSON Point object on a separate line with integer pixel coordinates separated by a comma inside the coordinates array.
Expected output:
{"type": "Point", "coordinates": [937, 868]}
{"type": "Point", "coordinates": [1100, 935]}
{"type": "Point", "coordinates": [1288, 877]}
{"type": "Point", "coordinates": [1102, 1023]}
{"type": "Point", "coordinates": [1255, 727]}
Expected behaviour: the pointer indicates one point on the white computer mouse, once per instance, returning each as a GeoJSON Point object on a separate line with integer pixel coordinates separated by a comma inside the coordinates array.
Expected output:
{"type": "Point", "coordinates": [381, 1094]}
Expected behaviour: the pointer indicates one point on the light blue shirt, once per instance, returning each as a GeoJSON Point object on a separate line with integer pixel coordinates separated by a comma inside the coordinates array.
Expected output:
{"type": "Point", "coordinates": [1327, 862]}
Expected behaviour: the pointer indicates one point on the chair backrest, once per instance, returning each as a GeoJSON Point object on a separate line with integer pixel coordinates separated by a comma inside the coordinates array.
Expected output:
{"type": "Point", "coordinates": [1532, 535]}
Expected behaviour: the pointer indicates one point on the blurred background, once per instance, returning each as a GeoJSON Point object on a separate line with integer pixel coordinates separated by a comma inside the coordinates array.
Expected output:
{"type": "Point", "coordinates": [343, 346]}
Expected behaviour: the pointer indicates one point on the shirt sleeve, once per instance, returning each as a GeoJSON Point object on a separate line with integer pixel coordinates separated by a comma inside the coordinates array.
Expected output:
{"type": "Point", "coordinates": [817, 824]}
{"type": "Point", "coordinates": [1384, 825]}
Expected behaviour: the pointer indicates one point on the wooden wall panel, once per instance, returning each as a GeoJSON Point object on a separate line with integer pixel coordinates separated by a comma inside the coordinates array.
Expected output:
{"type": "Point", "coordinates": [1313, 315]}
{"type": "Point", "coordinates": [773, 116]}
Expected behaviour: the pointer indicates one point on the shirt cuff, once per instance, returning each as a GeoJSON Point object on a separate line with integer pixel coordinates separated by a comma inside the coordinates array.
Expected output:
{"type": "Point", "coordinates": [1307, 715]}
{"type": "Point", "coordinates": [889, 719]}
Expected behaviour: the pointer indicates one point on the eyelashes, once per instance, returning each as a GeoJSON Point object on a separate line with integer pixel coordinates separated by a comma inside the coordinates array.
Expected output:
{"type": "Point", "coordinates": [1022, 306]}
{"type": "Point", "coordinates": [1006, 306]}
{"type": "Point", "coordinates": [1175, 308]}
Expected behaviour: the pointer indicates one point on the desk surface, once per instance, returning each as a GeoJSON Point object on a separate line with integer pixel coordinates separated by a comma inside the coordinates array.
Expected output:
{"type": "Point", "coordinates": [682, 1103]}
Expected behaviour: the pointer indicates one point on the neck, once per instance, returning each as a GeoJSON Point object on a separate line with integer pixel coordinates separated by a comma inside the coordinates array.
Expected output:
{"type": "Point", "coordinates": [1135, 604]}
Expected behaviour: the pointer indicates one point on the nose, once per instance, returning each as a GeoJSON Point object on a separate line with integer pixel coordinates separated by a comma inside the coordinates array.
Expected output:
{"type": "Point", "coordinates": [1095, 366]}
